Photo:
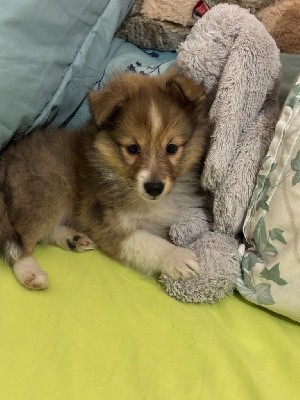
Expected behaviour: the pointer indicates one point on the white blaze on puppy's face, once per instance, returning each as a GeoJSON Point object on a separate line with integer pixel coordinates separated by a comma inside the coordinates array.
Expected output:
{"type": "Point", "coordinates": [155, 119]}
{"type": "Point", "coordinates": [153, 149]}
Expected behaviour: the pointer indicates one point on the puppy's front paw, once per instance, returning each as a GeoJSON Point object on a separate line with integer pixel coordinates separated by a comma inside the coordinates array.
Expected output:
{"type": "Point", "coordinates": [181, 264]}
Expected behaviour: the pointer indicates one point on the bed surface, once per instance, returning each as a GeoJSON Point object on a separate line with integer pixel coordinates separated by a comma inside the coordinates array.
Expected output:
{"type": "Point", "coordinates": [103, 331]}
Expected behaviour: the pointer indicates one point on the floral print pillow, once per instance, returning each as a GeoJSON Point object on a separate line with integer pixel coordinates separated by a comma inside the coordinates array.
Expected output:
{"type": "Point", "coordinates": [271, 265]}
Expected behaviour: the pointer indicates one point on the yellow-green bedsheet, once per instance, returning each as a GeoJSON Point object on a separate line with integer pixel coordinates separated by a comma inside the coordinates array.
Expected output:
{"type": "Point", "coordinates": [102, 331]}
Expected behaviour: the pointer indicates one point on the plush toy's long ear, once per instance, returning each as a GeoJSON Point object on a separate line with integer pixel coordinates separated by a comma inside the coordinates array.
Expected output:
{"type": "Point", "coordinates": [186, 92]}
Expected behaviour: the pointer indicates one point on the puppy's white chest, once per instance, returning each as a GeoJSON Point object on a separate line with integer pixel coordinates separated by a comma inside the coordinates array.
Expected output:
{"type": "Point", "coordinates": [158, 218]}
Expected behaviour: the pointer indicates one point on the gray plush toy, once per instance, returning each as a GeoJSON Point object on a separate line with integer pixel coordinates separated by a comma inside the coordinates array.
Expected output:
{"type": "Point", "coordinates": [236, 59]}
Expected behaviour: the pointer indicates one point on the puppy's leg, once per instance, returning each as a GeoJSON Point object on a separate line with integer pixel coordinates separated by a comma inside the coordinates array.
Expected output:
{"type": "Point", "coordinates": [26, 268]}
{"type": "Point", "coordinates": [68, 239]}
{"type": "Point", "coordinates": [30, 274]}
{"type": "Point", "coordinates": [150, 253]}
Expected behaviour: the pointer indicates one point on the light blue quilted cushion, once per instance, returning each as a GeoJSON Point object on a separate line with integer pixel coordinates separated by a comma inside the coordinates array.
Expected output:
{"type": "Point", "coordinates": [127, 58]}
{"type": "Point", "coordinates": [51, 53]}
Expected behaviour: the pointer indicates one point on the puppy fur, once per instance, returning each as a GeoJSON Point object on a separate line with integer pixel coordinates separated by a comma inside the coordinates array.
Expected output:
{"type": "Point", "coordinates": [123, 179]}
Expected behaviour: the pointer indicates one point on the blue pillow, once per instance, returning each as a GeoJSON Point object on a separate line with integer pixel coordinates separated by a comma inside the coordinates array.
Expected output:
{"type": "Point", "coordinates": [51, 53]}
{"type": "Point", "coordinates": [128, 58]}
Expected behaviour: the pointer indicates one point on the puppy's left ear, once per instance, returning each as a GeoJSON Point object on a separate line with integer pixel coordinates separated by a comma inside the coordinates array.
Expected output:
{"type": "Point", "coordinates": [103, 104]}
{"type": "Point", "coordinates": [185, 91]}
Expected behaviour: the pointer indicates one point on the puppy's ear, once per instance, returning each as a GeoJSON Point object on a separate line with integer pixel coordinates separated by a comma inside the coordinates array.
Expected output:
{"type": "Point", "coordinates": [183, 90]}
{"type": "Point", "coordinates": [105, 104]}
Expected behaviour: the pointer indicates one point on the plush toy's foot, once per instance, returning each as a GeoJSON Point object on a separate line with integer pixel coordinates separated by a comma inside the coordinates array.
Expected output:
{"type": "Point", "coordinates": [219, 260]}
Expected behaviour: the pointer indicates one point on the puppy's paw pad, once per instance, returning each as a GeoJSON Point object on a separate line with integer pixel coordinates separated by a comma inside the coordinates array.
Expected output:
{"type": "Point", "coordinates": [80, 243]}
{"type": "Point", "coordinates": [35, 281]}
{"type": "Point", "coordinates": [32, 279]}
{"type": "Point", "coordinates": [30, 274]}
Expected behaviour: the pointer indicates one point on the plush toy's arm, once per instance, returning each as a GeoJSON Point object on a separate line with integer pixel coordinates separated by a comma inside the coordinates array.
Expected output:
{"type": "Point", "coordinates": [231, 199]}
{"type": "Point", "coordinates": [231, 52]}
{"type": "Point", "coordinates": [249, 74]}
{"type": "Point", "coordinates": [193, 223]}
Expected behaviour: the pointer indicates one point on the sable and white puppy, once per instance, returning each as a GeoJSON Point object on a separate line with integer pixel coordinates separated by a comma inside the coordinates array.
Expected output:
{"type": "Point", "coordinates": [123, 179]}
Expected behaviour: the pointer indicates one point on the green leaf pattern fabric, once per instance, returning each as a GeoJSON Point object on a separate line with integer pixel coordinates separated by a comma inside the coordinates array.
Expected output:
{"type": "Point", "coordinates": [271, 265]}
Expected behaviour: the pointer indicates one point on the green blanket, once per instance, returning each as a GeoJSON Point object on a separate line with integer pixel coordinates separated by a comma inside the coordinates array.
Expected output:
{"type": "Point", "coordinates": [102, 331]}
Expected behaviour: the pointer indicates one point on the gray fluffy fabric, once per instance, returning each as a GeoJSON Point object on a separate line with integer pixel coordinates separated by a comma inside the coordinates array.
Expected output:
{"type": "Point", "coordinates": [149, 33]}
{"type": "Point", "coordinates": [236, 59]}
{"type": "Point", "coordinates": [238, 62]}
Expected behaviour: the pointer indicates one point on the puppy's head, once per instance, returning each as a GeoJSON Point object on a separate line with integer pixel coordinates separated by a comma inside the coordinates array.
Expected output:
{"type": "Point", "coordinates": [151, 130]}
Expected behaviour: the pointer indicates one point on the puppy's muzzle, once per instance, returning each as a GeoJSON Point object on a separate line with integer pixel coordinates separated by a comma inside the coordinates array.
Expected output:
{"type": "Point", "coordinates": [154, 189]}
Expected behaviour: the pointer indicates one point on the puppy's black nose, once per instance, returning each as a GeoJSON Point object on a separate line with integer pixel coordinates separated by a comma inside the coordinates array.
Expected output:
{"type": "Point", "coordinates": [154, 189]}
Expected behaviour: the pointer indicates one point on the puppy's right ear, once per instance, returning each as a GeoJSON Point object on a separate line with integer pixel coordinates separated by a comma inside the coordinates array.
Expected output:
{"type": "Point", "coordinates": [105, 103]}
{"type": "Point", "coordinates": [185, 91]}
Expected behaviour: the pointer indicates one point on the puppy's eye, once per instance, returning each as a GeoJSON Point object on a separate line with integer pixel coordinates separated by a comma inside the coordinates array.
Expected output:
{"type": "Point", "coordinates": [133, 149]}
{"type": "Point", "coordinates": [171, 148]}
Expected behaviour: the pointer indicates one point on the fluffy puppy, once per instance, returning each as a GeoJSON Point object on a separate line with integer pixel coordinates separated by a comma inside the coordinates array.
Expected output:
{"type": "Point", "coordinates": [123, 179]}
